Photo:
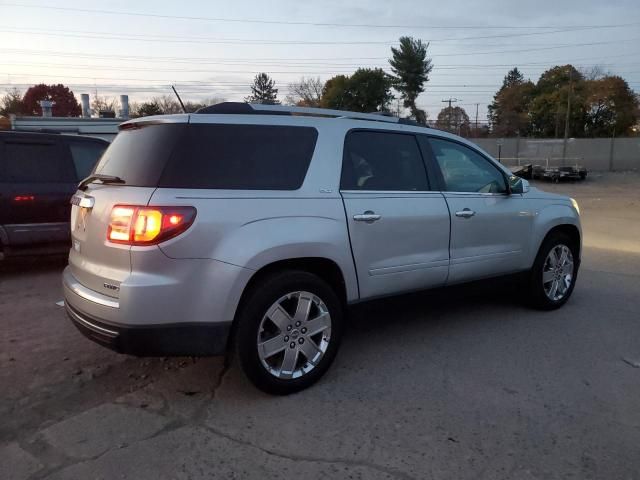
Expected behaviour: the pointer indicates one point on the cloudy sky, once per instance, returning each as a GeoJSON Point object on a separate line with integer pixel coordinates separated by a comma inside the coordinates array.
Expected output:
{"type": "Point", "coordinates": [214, 48]}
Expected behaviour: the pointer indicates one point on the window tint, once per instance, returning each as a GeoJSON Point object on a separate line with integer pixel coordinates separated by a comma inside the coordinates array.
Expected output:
{"type": "Point", "coordinates": [85, 155]}
{"type": "Point", "coordinates": [464, 170]}
{"type": "Point", "coordinates": [36, 163]}
{"type": "Point", "coordinates": [382, 161]}
{"type": "Point", "coordinates": [249, 157]}
{"type": "Point", "coordinates": [139, 155]}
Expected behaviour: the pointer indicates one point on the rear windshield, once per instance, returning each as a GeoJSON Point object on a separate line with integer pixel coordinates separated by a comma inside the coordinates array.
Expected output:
{"type": "Point", "coordinates": [139, 155]}
{"type": "Point", "coordinates": [217, 156]}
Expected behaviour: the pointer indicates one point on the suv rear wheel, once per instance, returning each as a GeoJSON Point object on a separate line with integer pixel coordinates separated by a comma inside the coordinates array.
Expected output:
{"type": "Point", "coordinates": [553, 276]}
{"type": "Point", "coordinates": [288, 331]}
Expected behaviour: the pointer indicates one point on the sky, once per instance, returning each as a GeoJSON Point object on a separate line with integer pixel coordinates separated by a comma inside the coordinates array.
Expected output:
{"type": "Point", "coordinates": [212, 49]}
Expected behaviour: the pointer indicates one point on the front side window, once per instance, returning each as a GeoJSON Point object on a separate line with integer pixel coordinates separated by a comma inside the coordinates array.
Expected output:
{"type": "Point", "coordinates": [465, 170]}
{"type": "Point", "coordinates": [382, 161]}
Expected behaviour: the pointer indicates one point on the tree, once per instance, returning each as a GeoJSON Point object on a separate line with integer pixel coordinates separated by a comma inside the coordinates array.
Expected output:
{"type": "Point", "coordinates": [411, 67]}
{"type": "Point", "coordinates": [11, 103]}
{"type": "Point", "coordinates": [548, 109]}
{"type": "Point", "coordinates": [453, 119]}
{"type": "Point", "coordinates": [263, 90]}
{"type": "Point", "coordinates": [146, 109]}
{"type": "Point", "coordinates": [610, 107]}
{"type": "Point", "coordinates": [509, 111]}
{"type": "Point", "coordinates": [65, 104]}
{"type": "Point", "coordinates": [305, 93]}
{"type": "Point", "coordinates": [103, 104]}
{"type": "Point", "coordinates": [367, 90]}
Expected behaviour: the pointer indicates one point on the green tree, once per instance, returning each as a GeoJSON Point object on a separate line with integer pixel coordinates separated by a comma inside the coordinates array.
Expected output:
{"type": "Point", "coordinates": [65, 103]}
{"type": "Point", "coordinates": [548, 108]}
{"type": "Point", "coordinates": [146, 109]}
{"type": "Point", "coordinates": [263, 90]}
{"type": "Point", "coordinates": [610, 106]}
{"type": "Point", "coordinates": [11, 102]}
{"type": "Point", "coordinates": [453, 119]}
{"type": "Point", "coordinates": [411, 67]}
{"type": "Point", "coordinates": [367, 90]}
{"type": "Point", "coordinates": [509, 111]}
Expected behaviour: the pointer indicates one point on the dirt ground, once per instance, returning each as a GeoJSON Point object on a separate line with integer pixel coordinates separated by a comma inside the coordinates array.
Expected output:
{"type": "Point", "coordinates": [461, 384]}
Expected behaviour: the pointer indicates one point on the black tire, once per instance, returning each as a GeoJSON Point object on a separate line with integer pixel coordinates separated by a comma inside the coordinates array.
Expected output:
{"type": "Point", "coordinates": [535, 287]}
{"type": "Point", "coordinates": [255, 305]}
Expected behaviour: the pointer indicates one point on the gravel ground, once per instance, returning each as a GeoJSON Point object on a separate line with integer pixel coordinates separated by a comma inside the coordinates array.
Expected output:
{"type": "Point", "coordinates": [460, 384]}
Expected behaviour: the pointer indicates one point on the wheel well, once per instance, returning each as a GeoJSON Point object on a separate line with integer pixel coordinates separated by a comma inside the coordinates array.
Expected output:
{"type": "Point", "coordinates": [569, 230]}
{"type": "Point", "coordinates": [324, 268]}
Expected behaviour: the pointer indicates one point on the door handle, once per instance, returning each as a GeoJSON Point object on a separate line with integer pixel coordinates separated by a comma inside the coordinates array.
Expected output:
{"type": "Point", "coordinates": [466, 213]}
{"type": "Point", "coordinates": [367, 216]}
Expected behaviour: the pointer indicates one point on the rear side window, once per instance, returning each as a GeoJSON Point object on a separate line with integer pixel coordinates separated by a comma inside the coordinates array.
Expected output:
{"type": "Point", "coordinates": [138, 155]}
{"type": "Point", "coordinates": [85, 155]}
{"type": "Point", "coordinates": [247, 157]}
{"type": "Point", "coordinates": [36, 163]}
{"type": "Point", "coordinates": [382, 161]}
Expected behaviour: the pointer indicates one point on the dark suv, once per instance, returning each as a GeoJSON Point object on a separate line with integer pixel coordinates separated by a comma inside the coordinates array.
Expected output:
{"type": "Point", "coordinates": [38, 175]}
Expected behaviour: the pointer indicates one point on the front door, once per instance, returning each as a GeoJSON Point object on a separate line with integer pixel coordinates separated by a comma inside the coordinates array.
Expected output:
{"type": "Point", "coordinates": [399, 229]}
{"type": "Point", "coordinates": [489, 228]}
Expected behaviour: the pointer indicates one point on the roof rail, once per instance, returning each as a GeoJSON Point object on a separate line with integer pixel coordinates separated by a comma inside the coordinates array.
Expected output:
{"type": "Point", "coordinates": [264, 109]}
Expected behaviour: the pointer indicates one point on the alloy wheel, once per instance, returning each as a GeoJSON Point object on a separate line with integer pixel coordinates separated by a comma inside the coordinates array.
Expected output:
{"type": "Point", "coordinates": [557, 273]}
{"type": "Point", "coordinates": [294, 335]}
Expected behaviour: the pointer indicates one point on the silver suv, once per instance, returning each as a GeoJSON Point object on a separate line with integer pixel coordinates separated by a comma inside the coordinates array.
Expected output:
{"type": "Point", "coordinates": [251, 228]}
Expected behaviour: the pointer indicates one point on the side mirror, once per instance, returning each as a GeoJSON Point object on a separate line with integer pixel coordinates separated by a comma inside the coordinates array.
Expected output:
{"type": "Point", "coordinates": [518, 185]}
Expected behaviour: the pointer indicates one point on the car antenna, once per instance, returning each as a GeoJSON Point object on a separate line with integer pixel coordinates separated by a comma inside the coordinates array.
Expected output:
{"type": "Point", "coordinates": [179, 99]}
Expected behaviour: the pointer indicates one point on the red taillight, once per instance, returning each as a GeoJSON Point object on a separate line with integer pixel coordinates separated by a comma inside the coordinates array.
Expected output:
{"type": "Point", "coordinates": [24, 198]}
{"type": "Point", "coordinates": [135, 225]}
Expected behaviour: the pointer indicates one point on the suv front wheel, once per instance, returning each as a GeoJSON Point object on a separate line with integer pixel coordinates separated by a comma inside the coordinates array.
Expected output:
{"type": "Point", "coordinates": [553, 276]}
{"type": "Point", "coordinates": [288, 331]}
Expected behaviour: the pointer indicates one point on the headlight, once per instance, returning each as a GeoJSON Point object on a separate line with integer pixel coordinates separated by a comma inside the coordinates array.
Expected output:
{"type": "Point", "coordinates": [575, 205]}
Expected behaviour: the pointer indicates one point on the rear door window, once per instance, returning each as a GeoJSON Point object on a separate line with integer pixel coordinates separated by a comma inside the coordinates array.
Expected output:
{"type": "Point", "coordinates": [375, 160]}
{"type": "Point", "coordinates": [85, 156]}
{"type": "Point", "coordinates": [36, 162]}
{"type": "Point", "coordinates": [247, 157]}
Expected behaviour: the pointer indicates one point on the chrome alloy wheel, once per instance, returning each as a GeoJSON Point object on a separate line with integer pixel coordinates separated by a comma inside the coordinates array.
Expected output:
{"type": "Point", "coordinates": [557, 273]}
{"type": "Point", "coordinates": [294, 335]}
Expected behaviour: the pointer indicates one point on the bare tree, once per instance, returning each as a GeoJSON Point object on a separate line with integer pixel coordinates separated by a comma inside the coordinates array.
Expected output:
{"type": "Point", "coordinates": [596, 72]}
{"type": "Point", "coordinates": [101, 104]}
{"type": "Point", "coordinates": [305, 93]}
{"type": "Point", "coordinates": [11, 102]}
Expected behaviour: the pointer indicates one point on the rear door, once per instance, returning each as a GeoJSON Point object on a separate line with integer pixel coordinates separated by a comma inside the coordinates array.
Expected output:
{"type": "Point", "coordinates": [137, 155]}
{"type": "Point", "coordinates": [399, 228]}
{"type": "Point", "coordinates": [489, 228]}
{"type": "Point", "coordinates": [38, 179]}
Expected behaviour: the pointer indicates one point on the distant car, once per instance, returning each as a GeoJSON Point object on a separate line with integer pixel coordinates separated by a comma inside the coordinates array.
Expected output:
{"type": "Point", "coordinates": [39, 174]}
{"type": "Point", "coordinates": [252, 227]}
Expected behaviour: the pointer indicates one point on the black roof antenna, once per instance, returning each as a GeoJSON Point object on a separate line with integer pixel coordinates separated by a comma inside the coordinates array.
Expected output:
{"type": "Point", "coordinates": [179, 99]}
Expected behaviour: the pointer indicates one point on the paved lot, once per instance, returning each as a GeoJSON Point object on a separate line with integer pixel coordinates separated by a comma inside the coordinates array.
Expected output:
{"type": "Point", "coordinates": [466, 384]}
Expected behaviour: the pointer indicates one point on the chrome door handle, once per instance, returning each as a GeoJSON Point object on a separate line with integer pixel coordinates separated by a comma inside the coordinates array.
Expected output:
{"type": "Point", "coordinates": [367, 216]}
{"type": "Point", "coordinates": [466, 213]}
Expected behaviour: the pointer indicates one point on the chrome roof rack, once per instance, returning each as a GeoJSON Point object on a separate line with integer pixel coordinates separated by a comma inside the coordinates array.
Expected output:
{"type": "Point", "coordinates": [264, 109]}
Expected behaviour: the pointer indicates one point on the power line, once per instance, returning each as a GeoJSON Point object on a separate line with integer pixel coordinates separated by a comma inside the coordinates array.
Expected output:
{"type": "Point", "coordinates": [200, 39]}
{"type": "Point", "coordinates": [303, 23]}
{"type": "Point", "coordinates": [129, 37]}
{"type": "Point", "coordinates": [280, 60]}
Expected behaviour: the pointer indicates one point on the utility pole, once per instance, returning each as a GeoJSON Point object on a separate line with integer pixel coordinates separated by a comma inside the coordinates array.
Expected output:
{"type": "Point", "coordinates": [477, 105]}
{"type": "Point", "coordinates": [449, 101]}
{"type": "Point", "coordinates": [566, 120]}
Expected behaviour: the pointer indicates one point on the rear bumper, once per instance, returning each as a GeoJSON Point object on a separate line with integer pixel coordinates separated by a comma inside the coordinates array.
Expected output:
{"type": "Point", "coordinates": [153, 340]}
